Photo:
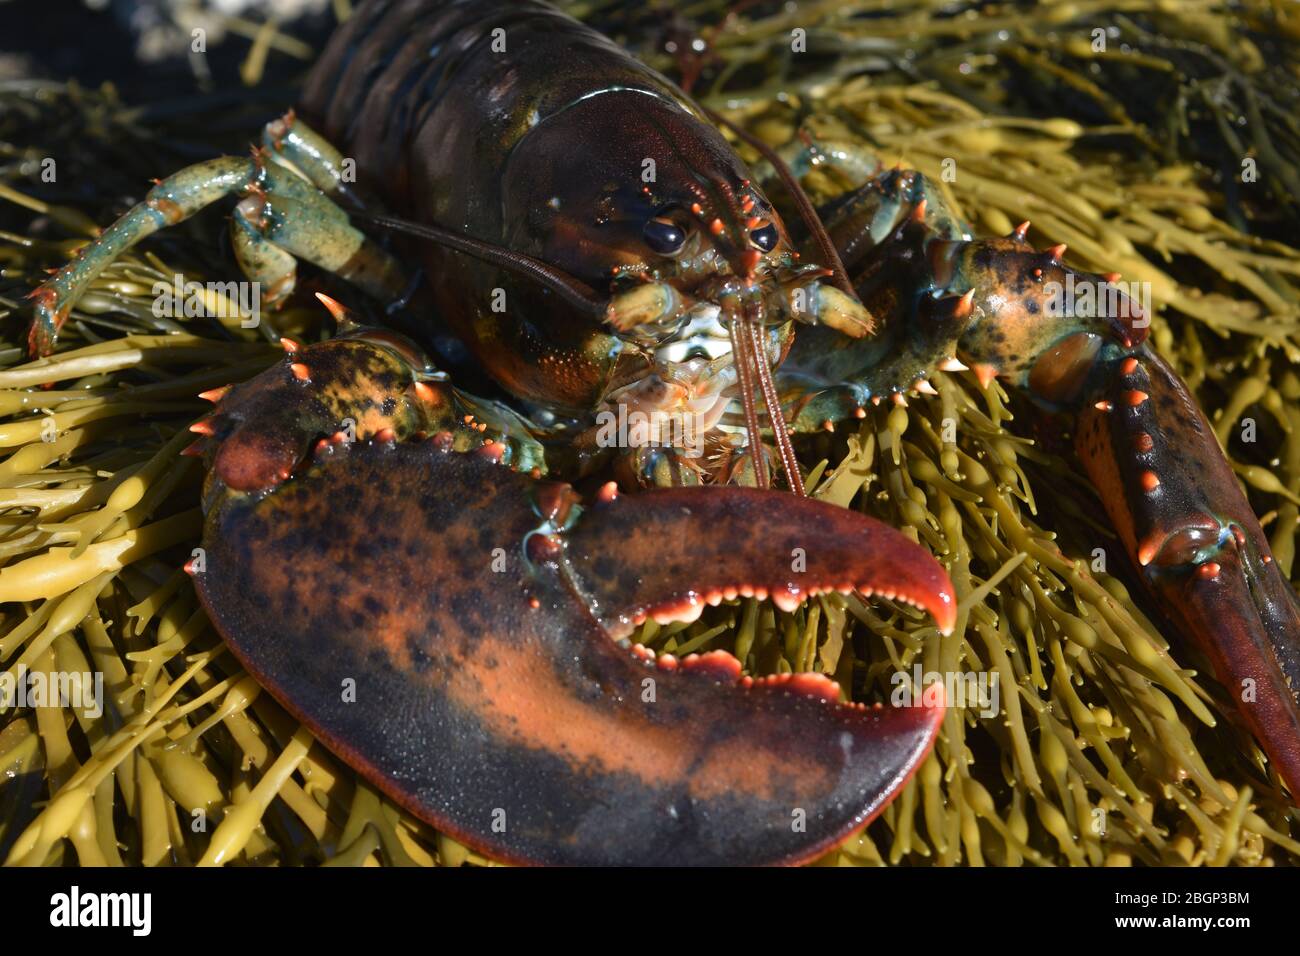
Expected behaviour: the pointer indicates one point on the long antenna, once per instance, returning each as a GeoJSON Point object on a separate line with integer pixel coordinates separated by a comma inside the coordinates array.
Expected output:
{"type": "Point", "coordinates": [741, 346]}
{"type": "Point", "coordinates": [572, 290]}
{"type": "Point", "coordinates": [777, 417]}
{"type": "Point", "coordinates": [829, 255]}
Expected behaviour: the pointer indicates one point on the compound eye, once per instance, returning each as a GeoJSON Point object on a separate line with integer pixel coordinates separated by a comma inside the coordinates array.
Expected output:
{"type": "Point", "coordinates": [664, 236]}
{"type": "Point", "coordinates": [765, 237]}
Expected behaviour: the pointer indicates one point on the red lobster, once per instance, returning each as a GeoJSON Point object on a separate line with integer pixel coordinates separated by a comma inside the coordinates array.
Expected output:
{"type": "Point", "coordinates": [596, 245]}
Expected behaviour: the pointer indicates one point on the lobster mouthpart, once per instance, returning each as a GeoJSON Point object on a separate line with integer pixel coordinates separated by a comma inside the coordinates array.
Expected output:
{"type": "Point", "coordinates": [450, 628]}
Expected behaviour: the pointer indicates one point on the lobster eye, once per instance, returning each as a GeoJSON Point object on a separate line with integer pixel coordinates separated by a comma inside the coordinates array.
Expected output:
{"type": "Point", "coordinates": [663, 236]}
{"type": "Point", "coordinates": [765, 237]}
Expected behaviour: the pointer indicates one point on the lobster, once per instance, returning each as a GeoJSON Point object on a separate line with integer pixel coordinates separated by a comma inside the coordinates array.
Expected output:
{"type": "Point", "coordinates": [594, 242]}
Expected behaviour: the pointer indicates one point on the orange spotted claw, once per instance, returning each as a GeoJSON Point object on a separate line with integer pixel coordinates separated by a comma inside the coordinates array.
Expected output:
{"type": "Point", "coordinates": [455, 630]}
{"type": "Point", "coordinates": [1196, 542]}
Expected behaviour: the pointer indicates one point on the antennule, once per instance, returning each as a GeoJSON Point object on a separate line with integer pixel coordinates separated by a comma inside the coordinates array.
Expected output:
{"type": "Point", "coordinates": [573, 290]}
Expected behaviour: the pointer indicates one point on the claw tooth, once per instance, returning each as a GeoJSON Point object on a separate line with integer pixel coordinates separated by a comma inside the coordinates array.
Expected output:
{"type": "Point", "coordinates": [985, 372]}
{"type": "Point", "coordinates": [202, 427]}
{"type": "Point", "coordinates": [1210, 569]}
{"type": "Point", "coordinates": [300, 372]}
{"type": "Point", "coordinates": [828, 425]}
{"type": "Point", "coordinates": [608, 492]}
{"type": "Point", "coordinates": [859, 412]}
{"type": "Point", "coordinates": [215, 394]}
{"type": "Point", "coordinates": [1111, 277]}
{"type": "Point", "coordinates": [808, 683]}
{"type": "Point", "coordinates": [1020, 231]}
{"type": "Point", "coordinates": [816, 685]}
{"type": "Point", "coordinates": [925, 388]}
{"type": "Point", "coordinates": [1057, 251]}
{"type": "Point", "coordinates": [424, 393]}
{"type": "Point", "coordinates": [719, 664]}
{"type": "Point", "coordinates": [1103, 406]}
{"type": "Point", "coordinates": [918, 211]}
{"type": "Point", "coordinates": [952, 364]}
{"type": "Point", "coordinates": [786, 599]}
{"type": "Point", "coordinates": [687, 612]}
{"type": "Point", "coordinates": [899, 399]}
{"type": "Point", "coordinates": [289, 345]}
{"type": "Point", "coordinates": [195, 449]}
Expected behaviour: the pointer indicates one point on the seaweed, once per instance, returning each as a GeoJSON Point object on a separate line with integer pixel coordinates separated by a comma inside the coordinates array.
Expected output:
{"type": "Point", "coordinates": [1103, 745]}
